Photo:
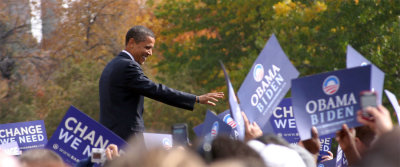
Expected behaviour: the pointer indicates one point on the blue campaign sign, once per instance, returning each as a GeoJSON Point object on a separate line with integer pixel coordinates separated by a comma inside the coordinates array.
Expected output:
{"type": "Point", "coordinates": [154, 140]}
{"type": "Point", "coordinates": [355, 59]}
{"type": "Point", "coordinates": [236, 112]}
{"type": "Point", "coordinates": [268, 128]}
{"type": "Point", "coordinates": [341, 160]}
{"type": "Point", "coordinates": [28, 135]}
{"type": "Point", "coordinates": [77, 134]}
{"type": "Point", "coordinates": [283, 122]}
{"type": "Point", "coordinates": [328, 100]}
{"type": "Point", "coordinates": [325, 147]}
{"type": "Point", "coordinates": [329, 163]}
{"type": "Point", "coordinates": [227, 118]}
{"type": "Point", "coordinates": [213, 126]}
{"type": "Point", "coordinates": [198, 129]}
{"type": "Point", "coordinates": [267, 83]}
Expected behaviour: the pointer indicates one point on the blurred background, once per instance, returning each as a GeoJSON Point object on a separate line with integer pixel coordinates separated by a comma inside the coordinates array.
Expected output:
{"type": "Point", "coordinates": [52, 52]}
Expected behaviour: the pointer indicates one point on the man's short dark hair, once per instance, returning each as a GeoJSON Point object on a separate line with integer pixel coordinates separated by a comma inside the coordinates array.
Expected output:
{"type": "Point", "coordinates": [223, 148]}
{"type": "Point", "coordinates": [139, 34]}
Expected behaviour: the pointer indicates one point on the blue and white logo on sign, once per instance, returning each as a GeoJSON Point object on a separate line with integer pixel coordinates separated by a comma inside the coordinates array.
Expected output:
{"type": "Point", "coordinates": [331, 85]}
{"type": "Point", "coordinates": [228, 120]}
{"type": "Point", "coordinates": [214, 129]}
{"type": "Point", "coordinates": [166, 142]}
{"type": "Point", "coordinates": [258, 72]}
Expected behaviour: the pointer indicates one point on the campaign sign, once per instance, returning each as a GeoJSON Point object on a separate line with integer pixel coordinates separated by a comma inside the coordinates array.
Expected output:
{"type": "Point", "coordinates": [325, 147]}
{"type": "Point", "coordinates": [77, 134]}
{"type": "Point", "coordinates": [213, 126]}
{"type": "Point", "coordinates": [341, 160]}
{"type": "Point", "coordinates": [154, 140]}
{"type": "Point", "coordinates": [10, 148]}
{"type": "Point", "coordinates": [236, 112]}
{"type": "Point", "coordinates": [329, 163]}
{"type": "Point", "coordinates": [283, 122]}
{"type": "Point", "coordinates": [355, 59]}
{"type": "Point", "coordinates": [267, 128]}
{"type": "Point", "coordinates": [395, 103]}
{"type": "Point", "coordinates": [267, 83]}
{"type": "Point", "coordinates": [28, 135]}
{"type": "Point", "coordinates": [227, 118]}
{"type": "Point", "coordinates": [198, 129]}
{"type": "Point", "coordinates": [328, 100]}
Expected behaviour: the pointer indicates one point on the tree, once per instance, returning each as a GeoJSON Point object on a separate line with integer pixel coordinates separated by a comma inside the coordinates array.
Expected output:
{"type": "Point", "coordinates": [313, 34]}
{"type": "Point", "coordinates": [94, 32]}
{"type": "Point", "coordinates": [17, 57]}
{"type": "Point", "coordinates": [87, 35]}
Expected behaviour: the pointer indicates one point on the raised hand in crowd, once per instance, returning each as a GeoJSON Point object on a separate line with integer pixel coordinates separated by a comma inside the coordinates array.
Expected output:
{"type": "Point", "coordinates": [210, 98]}
{"type": "Point", "coordinates": [313, 144]}
{"type": "Point", "coordinates": [327, 157]}
{"type": "Point", "coordinates": [346, 139]}
{"type": "Point", "coordinates": [252, 130]}
{"type": "Point", "coordinates": [112, 152]}
{"type": "Point", "coordinates": [381, 122]}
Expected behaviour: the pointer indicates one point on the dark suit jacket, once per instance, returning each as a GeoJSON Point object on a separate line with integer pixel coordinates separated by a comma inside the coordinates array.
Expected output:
{"type": "Point", "coordinates": [122, 87]}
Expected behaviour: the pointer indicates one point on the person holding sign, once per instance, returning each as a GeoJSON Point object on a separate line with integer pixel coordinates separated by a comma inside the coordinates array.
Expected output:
{"type": "Point", "coordinates": [123, 86]}
{"type": "Point", "coordinates": [381, 122]}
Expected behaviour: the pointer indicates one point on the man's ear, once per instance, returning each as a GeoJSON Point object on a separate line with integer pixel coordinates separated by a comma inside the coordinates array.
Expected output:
{"type": "Point", "coordinates": [131, 42]}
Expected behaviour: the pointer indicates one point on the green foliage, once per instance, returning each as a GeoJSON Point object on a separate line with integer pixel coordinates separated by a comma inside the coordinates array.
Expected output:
{"type": "Point", "coordinates": [77, 85]}
{"type": "Point", "coordinates": [12, 108]}
{"type": "Point", "coordinates": [192, 35]}
{"type": "Point", "coordinates": [313, 34]}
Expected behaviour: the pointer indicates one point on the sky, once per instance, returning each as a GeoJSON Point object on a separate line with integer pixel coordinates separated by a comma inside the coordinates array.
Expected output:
{"type": "Point", "coordinates": [36, 21]}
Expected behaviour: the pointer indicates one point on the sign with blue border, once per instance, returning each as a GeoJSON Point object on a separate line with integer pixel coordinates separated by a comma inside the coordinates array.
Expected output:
{"type": "Point", "coordinates": [283, 122]}
{"type": "Point", "coordinates": [213, 126]}
{"type": "Point", "coordinates": [28, 135]}
{"type": "Point", "coordinates": [236, 112]}
{"type": "Point", "coordinates": [328, 100]}
{"type": "Point", "coordinates": [355, 59]}
{"type": "Point", "coordinates": [267, 83]}
{"type": "Point", "coordinates": [77, 134]}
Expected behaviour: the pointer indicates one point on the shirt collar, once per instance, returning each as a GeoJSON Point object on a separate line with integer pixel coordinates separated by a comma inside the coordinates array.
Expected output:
{"type": "Point", "coordinates": [128, 54]}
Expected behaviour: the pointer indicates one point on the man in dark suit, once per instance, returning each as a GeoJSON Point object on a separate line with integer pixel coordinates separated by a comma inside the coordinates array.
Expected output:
{"type": "Point", "coordinates": [123, 87]}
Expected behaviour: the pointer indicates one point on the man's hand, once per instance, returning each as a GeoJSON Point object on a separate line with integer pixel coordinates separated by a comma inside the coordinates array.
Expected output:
{"type": "Point", "coordinates": [327, 157]}
{"type": "Point", "coordinates": [346, 139]}
{"type": "Point", "coordinates": [252, 131]}
{"type": "Point", "coordinates": [210, 98]}
{"type": "Point", "coordinates": [313, 144]}
{"type": "Point", "coordinates": [381, 122]}
{"type": "Point", "coordinates": [112, 152]}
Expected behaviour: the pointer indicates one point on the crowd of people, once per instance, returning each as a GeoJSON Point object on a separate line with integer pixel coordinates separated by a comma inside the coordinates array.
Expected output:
{"type": "Point", "coordinates": [374, 144]}
{"type": "Point", "coordinates": [123, 87]}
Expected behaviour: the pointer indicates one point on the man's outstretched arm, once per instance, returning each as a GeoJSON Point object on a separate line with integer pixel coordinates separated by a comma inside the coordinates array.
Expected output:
{"type": "Point", "coordinates": [209, 98]}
